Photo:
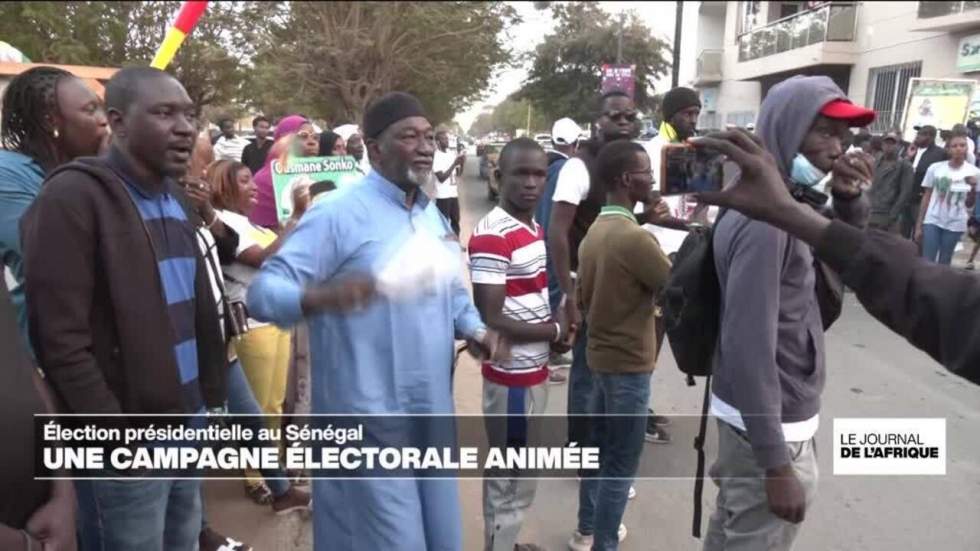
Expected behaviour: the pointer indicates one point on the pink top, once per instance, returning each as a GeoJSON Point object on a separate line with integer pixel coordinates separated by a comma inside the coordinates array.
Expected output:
{"type": "Point", "coordinates": [264, 213]}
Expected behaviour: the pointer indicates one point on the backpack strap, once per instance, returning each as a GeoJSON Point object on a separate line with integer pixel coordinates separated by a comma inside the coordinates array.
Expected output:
{"type": "Point", "coordinates": [699, 447]}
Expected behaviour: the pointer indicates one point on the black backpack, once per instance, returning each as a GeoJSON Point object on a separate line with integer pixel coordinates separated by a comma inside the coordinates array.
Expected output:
{"type": "Point", "coordinates": [691, 303]}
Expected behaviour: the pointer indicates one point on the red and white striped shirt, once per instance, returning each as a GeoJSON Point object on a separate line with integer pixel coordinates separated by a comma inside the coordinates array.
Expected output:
{"type": "Point", "coordinates": [505, 251]}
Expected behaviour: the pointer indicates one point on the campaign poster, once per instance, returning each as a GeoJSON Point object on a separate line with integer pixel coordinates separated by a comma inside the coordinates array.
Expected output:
{"type": "Point", "coordinates": [618, 77]}
{"type": "Point", "coordinates": [939, 103]}
{"type": "Point", "coordinates": [342, 171]}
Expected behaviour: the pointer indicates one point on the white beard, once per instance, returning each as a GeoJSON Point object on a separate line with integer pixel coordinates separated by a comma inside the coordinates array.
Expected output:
{"type": "Point", "coordinates": [426, 181]}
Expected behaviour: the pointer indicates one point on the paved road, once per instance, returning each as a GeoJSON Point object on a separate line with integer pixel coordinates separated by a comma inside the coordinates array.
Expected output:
{"type": "Point", "coordinates": [871, 373]}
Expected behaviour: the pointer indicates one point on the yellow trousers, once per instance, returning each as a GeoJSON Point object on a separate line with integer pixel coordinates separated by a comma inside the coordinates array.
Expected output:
{"type": "Point", "coordinates": [264, 353]}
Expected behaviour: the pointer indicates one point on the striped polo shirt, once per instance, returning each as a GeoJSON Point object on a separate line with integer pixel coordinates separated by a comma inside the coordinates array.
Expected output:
{"type": "Point", "coordinates": [174, 244]}
{"type": "Point", "coordinates": [505, 251]}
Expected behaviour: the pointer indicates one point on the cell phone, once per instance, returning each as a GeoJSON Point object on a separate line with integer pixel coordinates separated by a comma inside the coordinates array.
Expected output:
{"type": "Point", "coordinates": [688, 169]}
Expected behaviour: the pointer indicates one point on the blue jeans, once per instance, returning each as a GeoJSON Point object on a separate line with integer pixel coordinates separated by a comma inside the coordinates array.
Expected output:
{"type": "Point", "coordinates": [602, 498]}
{"type": "Point", "coordinates": [938, 244]}
{"type": "Point", "coordinates": [241, 401]}
{"type": "Point", "coordinates": [580, 388]}
{"type": "Point", "coordinates": [149, 515]}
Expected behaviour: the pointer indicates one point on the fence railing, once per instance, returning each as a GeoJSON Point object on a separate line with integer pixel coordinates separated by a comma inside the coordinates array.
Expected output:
{"type": "Point", "coordinates": [832, 22]}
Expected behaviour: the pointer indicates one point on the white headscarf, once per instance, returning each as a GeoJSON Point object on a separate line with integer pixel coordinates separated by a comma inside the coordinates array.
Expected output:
{"type": "Point", "coordinates": [346, 131]}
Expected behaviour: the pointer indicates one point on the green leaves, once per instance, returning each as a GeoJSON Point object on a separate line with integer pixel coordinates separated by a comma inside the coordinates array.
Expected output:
{"type": "Point", "coordinates": [565, 73]}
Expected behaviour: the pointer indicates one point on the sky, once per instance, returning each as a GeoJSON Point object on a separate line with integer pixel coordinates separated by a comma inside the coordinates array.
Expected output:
{"type": "Point", "coordinates": [658, 16]}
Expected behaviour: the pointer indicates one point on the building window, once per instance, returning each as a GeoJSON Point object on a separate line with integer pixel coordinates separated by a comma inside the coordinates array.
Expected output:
{"type": "Point", "coordinates": [709, 121]}
{"type": "Point", "coordinates": [748, 16]}
{"type": "Point", "coordinates": [740, 118]}
{"type": "Point", "coordinates": [887, 89]}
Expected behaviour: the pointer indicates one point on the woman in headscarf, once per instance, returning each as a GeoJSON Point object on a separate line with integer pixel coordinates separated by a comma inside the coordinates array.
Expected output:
{"type": "Point", "coordinates": [293, 132]}
{"type": "Point", "coordinates": [332, 144]}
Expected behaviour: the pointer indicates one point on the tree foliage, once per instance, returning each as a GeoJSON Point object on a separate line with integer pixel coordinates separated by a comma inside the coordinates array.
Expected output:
{"type": "Point", "coordinates": [333, 59]}
{"type": "Point", "coordinates": [565, 74]}
{"type": "Point", "coordinates": [210, 64]}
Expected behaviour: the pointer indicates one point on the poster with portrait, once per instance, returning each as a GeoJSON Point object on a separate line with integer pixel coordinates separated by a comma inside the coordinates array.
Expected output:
{"type": "Point", "coordinates": [342, 171]}
{"type": "Point", "coordinates": [618, 77]}
{"type": "Point", "coordinates": [936, 102]}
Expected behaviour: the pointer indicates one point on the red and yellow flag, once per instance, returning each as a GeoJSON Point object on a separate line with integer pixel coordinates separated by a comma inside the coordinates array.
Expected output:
{"type": "Point", "coordinates": [182, 26]}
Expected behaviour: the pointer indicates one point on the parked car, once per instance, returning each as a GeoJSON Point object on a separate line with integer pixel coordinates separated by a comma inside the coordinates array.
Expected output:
{"type": "Point", "coordinates": [544, 140]}
{"type": "Point", "coordinates": [488, 164]}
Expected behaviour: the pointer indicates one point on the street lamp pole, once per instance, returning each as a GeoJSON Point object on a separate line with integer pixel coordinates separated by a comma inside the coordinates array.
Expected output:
{"type": "Point", "coordinates": [619, 40]}
{"type": "Point", "coordinates": [678, 23]}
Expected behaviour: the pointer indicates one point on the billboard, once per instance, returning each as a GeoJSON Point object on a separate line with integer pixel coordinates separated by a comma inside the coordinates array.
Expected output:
{"type": "Point", "coordinates": [936, 102]}
{"type": "Point", "coordinates": [618, 77]}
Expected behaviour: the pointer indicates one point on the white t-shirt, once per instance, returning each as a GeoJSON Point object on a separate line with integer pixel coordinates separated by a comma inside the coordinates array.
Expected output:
{"type": "Point", "coordinates": [229, 150]}
{"type": "Point", "coordinates": [440, 163]}
{"type": "Point", "coordinates": [238, 275]}
{"type": "Point", "coordinates": [947, 207]}
{"type": "Point", "coordinates": [573, 182]}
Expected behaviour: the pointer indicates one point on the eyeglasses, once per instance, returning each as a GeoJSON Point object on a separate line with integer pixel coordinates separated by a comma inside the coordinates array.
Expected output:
{"type": "Point", "coordinates": [644, 172]}
{"type": "Point", "coordinates": [628, 116]}
{"type": "Point", "coordinates": [304, 135]}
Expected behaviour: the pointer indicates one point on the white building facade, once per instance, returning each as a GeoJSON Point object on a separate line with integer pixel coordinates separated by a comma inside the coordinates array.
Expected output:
{"type": "Point", "coordinates": [871, 49]}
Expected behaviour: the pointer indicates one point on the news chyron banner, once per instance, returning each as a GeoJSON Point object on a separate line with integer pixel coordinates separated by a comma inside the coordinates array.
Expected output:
{"type": "Point", "coordinates": [428, 446]}
{"type": "Point", "coordinates": [343, 446]}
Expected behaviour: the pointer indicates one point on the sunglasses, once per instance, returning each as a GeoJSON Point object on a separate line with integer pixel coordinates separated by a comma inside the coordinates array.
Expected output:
{"type": "Point", "coordinates": [628, 116]}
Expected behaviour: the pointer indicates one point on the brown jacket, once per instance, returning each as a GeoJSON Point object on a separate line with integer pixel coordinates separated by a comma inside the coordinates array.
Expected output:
{"type": "Point", "coordinates": [97, 315]}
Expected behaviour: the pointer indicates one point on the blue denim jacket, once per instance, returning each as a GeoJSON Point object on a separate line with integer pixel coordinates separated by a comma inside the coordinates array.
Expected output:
{"type": "Point", "coordinates": [20, 183]}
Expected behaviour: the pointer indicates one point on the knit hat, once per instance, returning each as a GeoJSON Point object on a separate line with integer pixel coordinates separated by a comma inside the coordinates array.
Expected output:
{"type": "Point", "coordinates": [389, 109]}
{"type": "Point", "coordinates": [678, 99]}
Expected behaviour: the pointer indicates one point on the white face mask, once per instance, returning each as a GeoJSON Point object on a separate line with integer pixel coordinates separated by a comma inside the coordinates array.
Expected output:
{"type": "Point", "coordinates": [804, 173]}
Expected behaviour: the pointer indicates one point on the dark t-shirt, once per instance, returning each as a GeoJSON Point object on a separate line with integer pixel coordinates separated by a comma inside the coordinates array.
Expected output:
{"type": "Point", "coordinates": [20, 494]}
{"type": "Point", "coordinates": [253, 156]}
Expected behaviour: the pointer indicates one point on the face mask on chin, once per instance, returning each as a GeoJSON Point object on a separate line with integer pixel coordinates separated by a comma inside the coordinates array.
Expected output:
{"type": "Point", "coordinates": [804, 173]}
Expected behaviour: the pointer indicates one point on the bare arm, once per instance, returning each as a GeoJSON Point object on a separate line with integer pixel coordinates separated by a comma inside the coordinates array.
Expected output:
{"type": "Point", "coordinates": [562, 215]}
{"type": "Point", "coordinates": [489, 301]}
{"type": "Point", "coordinates": [255, 255]}
{"type": "Point", "coordinates": [923, 207]}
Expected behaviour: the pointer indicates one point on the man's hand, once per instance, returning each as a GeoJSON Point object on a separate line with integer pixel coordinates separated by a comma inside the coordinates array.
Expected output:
{"type": "Point", "coordinates": [787, 500]}
{"type": "Point", "coordinates": [54, 523]}
{"type": "Point", "coordinates": [492, 347]}
{"type": "Point", "coordinates": [917, 235]}
{"type": "Point", "coordinates": [199, 193]}
{"type": "Point", "coordinates": [852, 174]}
{"type": "Point", "coordinates": [657, 212]}
{"type": "Point", "coordinates": [346, 295]}
{"type": "Point", "coordinates": [760, 191]}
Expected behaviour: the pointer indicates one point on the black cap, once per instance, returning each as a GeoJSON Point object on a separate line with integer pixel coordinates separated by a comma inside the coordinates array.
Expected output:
{"type": "Point", "coordinates": [389, 109]}
{"type": "Point", "coordinates": [928, 129]}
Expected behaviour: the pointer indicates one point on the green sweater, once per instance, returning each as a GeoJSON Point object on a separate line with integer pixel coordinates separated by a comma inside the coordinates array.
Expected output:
{"type": "Point", "coordinates": [621, 270]}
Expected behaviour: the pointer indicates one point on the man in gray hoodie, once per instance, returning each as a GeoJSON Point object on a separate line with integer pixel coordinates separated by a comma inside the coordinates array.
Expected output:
{"type": "Point", "coordinates": [769, 365]}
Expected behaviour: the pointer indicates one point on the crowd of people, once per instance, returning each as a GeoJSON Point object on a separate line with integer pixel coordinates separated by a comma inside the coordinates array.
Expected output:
{"type": "Point", "coordinates": [153, 275]}
{"type": "Point", "coordinates": [923, 190]}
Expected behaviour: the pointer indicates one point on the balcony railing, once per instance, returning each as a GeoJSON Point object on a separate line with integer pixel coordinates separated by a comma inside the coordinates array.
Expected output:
{"type": "Point", "coordinates": [832, 22]}
{"type": "Point", "coordinates": [709, 66]}
{"type": "Point", "coordinates": [939, 9]}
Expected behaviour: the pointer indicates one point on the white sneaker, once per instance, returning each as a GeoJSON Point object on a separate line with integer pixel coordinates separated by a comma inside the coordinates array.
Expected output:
{"type": "Point", "coordinates": [632, 493]}
{"type": "Point", "coordinates": [584, 543]}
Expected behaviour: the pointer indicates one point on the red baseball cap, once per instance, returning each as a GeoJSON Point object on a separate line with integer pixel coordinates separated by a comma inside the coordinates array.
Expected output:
{"type": "Point", "coordinates": [842, 109]}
